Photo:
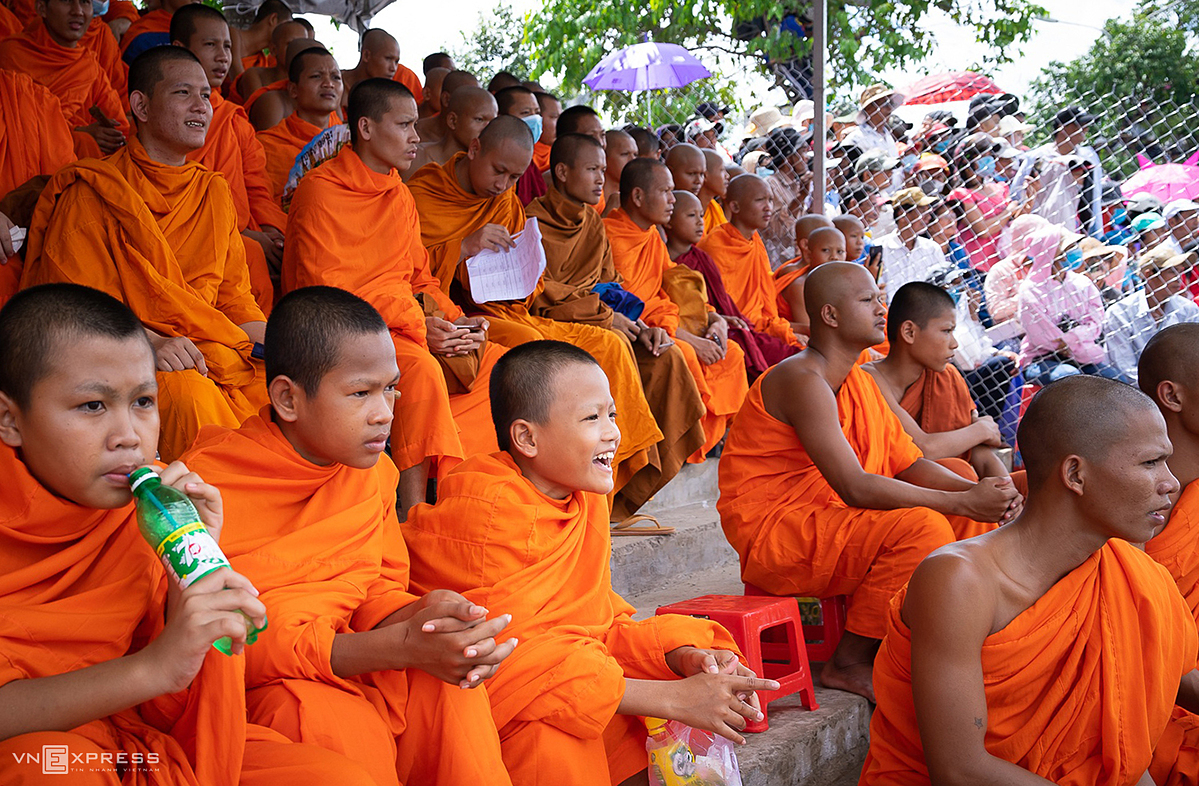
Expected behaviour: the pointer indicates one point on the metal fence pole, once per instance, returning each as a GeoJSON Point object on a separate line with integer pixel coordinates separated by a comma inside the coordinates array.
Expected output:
{"type": "Point", "coordinates": [819, 131]}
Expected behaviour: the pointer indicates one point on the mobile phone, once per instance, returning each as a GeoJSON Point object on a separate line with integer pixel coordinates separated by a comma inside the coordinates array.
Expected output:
{"type": "Point", "coordinates": [874, 258]}
{"type": "Point", "coordinates": [259, 351]}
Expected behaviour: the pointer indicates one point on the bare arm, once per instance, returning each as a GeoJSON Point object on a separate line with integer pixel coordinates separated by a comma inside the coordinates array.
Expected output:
{"type": "Point", "coordinates": [268, 111]}
{"type": "Point", "coordinates": [719, 703]}
{"type": "Point", "coordinates": [942, 444]}
{"type": "Point", "coordinates": [255, 331]}
{"type": "Point", "coordinates": [950, 608]}
{"type": "Point", "coordinates": [1188, 691]}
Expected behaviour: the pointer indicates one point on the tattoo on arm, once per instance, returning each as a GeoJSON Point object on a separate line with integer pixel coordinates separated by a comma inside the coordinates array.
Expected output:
{"type": "Point", "coordinates": [978, 722]}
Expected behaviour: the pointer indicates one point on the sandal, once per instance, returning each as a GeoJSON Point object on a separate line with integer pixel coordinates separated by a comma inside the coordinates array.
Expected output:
{"type": "Point", "coordinates": [640, 524]}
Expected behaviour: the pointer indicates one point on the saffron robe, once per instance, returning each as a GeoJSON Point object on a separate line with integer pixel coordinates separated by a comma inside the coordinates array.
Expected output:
{"type": "Point", "coordinates": [408, 78]}
{"type": "Point", "coordinates": [713, 216]}
{"type": "Point", "coordinates": [642, 260]}
{"type": "Point", "coordinates": [232, 148]}
{"type": "Point", "coordinates": [379, 257]}
{"type": "Point", "coordinates": [323, 547]}
{"type": "Point", "coordinates": [164, 241]}
{"type": "Point", "coordinates": [260, 92]}
{"type": "Point", "coordinates": [745, 268]}
{"type": "Point", "coordinates": [503, 544]}
{"type": "Point", "coordinates": [541, 155]}
{"type": "Point", "coordinates": [9, 23]}
{"type": "Point", "coordinates": [794, 534]}
{"type": "Point", "coordinates": [449, 215]}
{"type": "Point", "coordinates": [282, 144]}
{"type": "Point", "coordinates": [1174, 546]}
{"type": "Point", "coordinates": [104, 46]}
{"type": "Point", "coordinates": [148, 31]}
{"type": "Point", "coordinates": [1080, 687]}
{"type": "Point", "coordinates": [78, 587]}
{"type": "Point", "coordinates": [72, 74]}
{"type": "Point", "coordinates": [783, 279]}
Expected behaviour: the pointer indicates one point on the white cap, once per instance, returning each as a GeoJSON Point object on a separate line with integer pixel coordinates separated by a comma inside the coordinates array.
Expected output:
{"type": "Point", "coordinates": [1179, 206]}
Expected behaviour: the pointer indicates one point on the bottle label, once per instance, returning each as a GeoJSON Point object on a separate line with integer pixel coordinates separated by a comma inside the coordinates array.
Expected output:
{"type": "Point", "coordinates": [189, 553]}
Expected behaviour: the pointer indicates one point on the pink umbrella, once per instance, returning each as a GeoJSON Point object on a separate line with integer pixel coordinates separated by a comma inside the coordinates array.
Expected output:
{"type": "Point", "coordinates": [1167, 182]}
{"type": "Point", "coordinates": [950, 86]}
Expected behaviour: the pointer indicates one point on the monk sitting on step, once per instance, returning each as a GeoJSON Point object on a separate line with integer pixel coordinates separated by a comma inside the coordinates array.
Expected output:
{"type": "Point", "coordinates": [819, 245]}
{"type": "Point", "coordinates": [525, 531]}
{"type": "Point", "coordinates": [101, 653]}
{"type": "Point", "coordinates": [823, 493]}
{"type": "Point", "coordinates": [1166, 373]}
{"type": "Point", "coordinates": [161, 234]}
{"type": "Point", "coordinates": [354, 661]}
{"type": "Point", "coordinates": [1052, 650]}
{"type": "Point", "coordinates": [927, 392]}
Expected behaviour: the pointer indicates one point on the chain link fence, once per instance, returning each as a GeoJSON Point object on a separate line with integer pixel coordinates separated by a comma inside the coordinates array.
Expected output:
{"type": "Point", "coordinates": [1062, 224]}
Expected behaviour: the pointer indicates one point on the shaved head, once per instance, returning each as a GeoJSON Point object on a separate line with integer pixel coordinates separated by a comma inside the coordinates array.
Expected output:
{"type": "Point", "coordinates": [833, 284]}
{"type": "Point", "coordinates": [685, 153]}
{"type": "Point", "coordinates": [713, 159]}
{"type": "Point", "coordinates": [745, 187]}
{"type": "Point", "coordinates": [433, 83]}
{"type": "Point", "coordinates": [1081, 416]}
{"type": "Point", "coordinates": [506, 128]}
{"type": "Point", "coordinates": [684, 199]}
{"type": "Point", "coordinates": [566, 149]}
{"type": "Point", "coordinates": [524, 383]}
{"type": "Point", "coordinates": [806, 225]}
{"type": "Point", "coordinates": [617, 136]}
{"type": "Point", "coordinates": [454, 80]}
{"type": "Point", "coordinates": [437, 60]}
{"type": "Point", "coordinates": [917, 302]}
{"type": "Point", "coordinates": [469, 99]}
{"type": "Point", "coordinates": [148, 68]}
{"type": "Point", "coordinates": [1171, 355]}
{"type": "Point", "coordinates": [502, 80]}
{"type": "Point", "coordinates": [647, 141]}
{"type": "Point", "coordinates": [298, 47]}
{"type": "Point", "coordinates": [639, 173]}
{"type": "Point", "coordinates": [581, 120]}
{"type": "Point", "coordinates": [284, 33]}
{"type": "Point", "coordinates": [378, 40]}
{"type": "Point", "coordinates": [511, 99]}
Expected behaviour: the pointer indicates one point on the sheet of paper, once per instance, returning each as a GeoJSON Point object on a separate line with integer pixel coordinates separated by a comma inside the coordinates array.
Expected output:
{"type": "Point", "coordinates": [508, 275]}
{"type": "Point", "coordinates": [18, 238]}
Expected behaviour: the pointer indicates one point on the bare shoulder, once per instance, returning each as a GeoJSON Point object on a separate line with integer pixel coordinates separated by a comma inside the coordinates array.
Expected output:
{"type": "Point", "coordinates": [957, 583]}
{"type": "Point", "coordinates": [797, 386]}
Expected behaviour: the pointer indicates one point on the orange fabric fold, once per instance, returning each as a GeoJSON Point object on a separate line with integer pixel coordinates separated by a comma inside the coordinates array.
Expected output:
{"type": "Point", "coordinates": [163, 240]}
{"type": "Point", "coordinates": [103, 44]}
{"type": "Point", "coordinates": [282, 144]}
{"type": "Point", "coordinates": [577, 257]}
{"type": "Point", "coordinates": [1079, 688]}
{"type": "Point", "coordinates": [9, 23]}
{"type": "Point", "coordinates": [73, 75]}
{"type": "Point", "coordinates": [794, 534]}
{"type": "Point", "coordinates": [121, 9]}
{"type": "Point", "coordinates": [379, 257]}
{"type": "Point", "coordinates": [781, 282]}
{"type": "Point", "coordinates": [156, 24]}
{"type": "Point", "coordinates": [260, 92]}
{"type": "Point", "coordinates": [79, 587]}
{"type": "Point", "coordinates": [258, 60]}
{"type": "Point", "coordinates": [713, 216]}
{"type": "Point", "coordinates": [323, 547]}
{"type": "Point", "coordinates": [745, 268]}
{"type": "Point", "coordinates": [408, 78]}
{"type": "Point", "coordinates": [498, 540]}
{"type": "Point", "coordinates": [939, 401]}
{"type": "Point", "coordinates": [541, 155]}
{"type": "Point", "coordinates": [1174, 546]}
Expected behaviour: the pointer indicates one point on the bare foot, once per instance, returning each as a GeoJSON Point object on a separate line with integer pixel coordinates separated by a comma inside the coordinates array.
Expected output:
{"type": "Point", "coordinates": [856, 678]}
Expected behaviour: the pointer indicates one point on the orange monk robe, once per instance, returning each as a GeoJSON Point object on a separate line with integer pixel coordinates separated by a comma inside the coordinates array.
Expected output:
{"type": "Point", "coordinates": [258, 60]}
{"type": "Point", "coordinates": [9, 24]}
{"type": "Point", "coordinates": [78, 587]}
{"type": "Point", "coordinates": [232, 148]}
{"type": "Point", "coordinates": [164, 241]}
{"type": "Point", "coordinates": [121, 9]}
{"type": "Point", "coordinates": [1080, 687]}
{"type": "Point", "coordinates": [72, 74]}
{"type": "Point", "coordinates": [379, 257]}
{"type": "Point", "coordinates": [794, 534]}
{"type": "Point", "coordinates": [408, 78]}
{"type": "Point", "coordinates": [103, 43]}
{"type": "Point", "coordinates": [35, 140]}
{"type": "Point", "coordinates": [745, 268]}
{"type": "Point", "coordinates": [713, 216]}
{"type": "Point", "coordinates": [323, 547]}
{"type": "Point", "coordinates": [782, 280]}
{"type": "Point", "coordinates": [546, 562]}
{"type": "Point", "coordinates": [643, 261]}
{"type": "Point", "coordinates": [282, 144]}
{"type": "Point", "coordinates": [23, 10]}
{"type": "Point", "coordinates": [939, 401]}
{"type": "Point", "coordinates": [448, 215]}
{"type": "Point", "coordinates": [147, 31]}
{"type": "Point", "coordinates": [260, 92]}
{"type": "Point", "coordinates": [1174, 546]}
{"type": "Point", "coordinates": [541, 156]}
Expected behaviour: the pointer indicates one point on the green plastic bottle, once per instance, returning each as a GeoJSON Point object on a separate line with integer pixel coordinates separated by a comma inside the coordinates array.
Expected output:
{"type": "Point", "coordinates": [171, 525]}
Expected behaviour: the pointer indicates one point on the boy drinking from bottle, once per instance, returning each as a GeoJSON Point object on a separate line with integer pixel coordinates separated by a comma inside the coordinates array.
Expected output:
{"type": "Point", "coordinates": [94, 681]}
{"type": "Point", "coordinates": [352, 660]}
{"type": "Point", "coordinates": [525, 530]}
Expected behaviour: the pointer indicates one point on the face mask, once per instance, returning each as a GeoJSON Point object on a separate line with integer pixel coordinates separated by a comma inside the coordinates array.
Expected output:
{"type": "Point", "coordinates": [534, 124]}
{"type": "Point", "coordinates": [1001, 178]}
{"type": "Point", "coordinates": [1073, 259]}
{"type": "Point", "coordinates": [985, 166]}
{"type": "Point", "coordinates": [99, 7]}
{"type": "Point", "coordinates": [909, 161]}
{"type": "Point", "coordinates": [1119, 216]}
{"type": "Point", "coordinates": [932, 187]}
{"type": "Point", "coordinates": [764, 171]}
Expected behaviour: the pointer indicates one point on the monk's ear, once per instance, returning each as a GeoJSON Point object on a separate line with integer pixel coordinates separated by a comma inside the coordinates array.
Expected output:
{"type": "Point", "coordinates": [561, 171]}
{"type": "Point", "coordinates": [451, 120]}
{"type": "Point", "coordinates": [828, 314]}
{"type": "Point", "coordinates": [285, 394]}
{"type": "Point", "coordinates": [907, 331]}
{"type": "Point", "coordinates": [1169, 395]}
{"type": "Point", "coordinates": [364, 129]}
{"type": "Point", "coordinates": [472, 150]}
{"type": "Point", "coordinates": [293, 90]}
{"type": "Point", "coordinates": [638, 197]}
{"type": "Point", "coordinates": [1072, 472]}
{"type": "Point", "coordinates": [139, 106]}
{"type": "Point", "coordinates": [10, 430]}
{"type": "Point", "coordinates": [523, 438]}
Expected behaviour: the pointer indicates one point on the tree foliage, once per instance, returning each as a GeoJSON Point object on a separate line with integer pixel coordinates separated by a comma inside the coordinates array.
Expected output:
{"type": "Point", "coordinates": [568, 37]}
{"type": "Point", "coordinates": [496, 44]}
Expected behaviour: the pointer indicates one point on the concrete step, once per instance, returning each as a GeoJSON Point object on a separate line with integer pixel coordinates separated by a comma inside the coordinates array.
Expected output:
{"type": "Point", "coordinates": [643, 563]}
{"type": "Point", "coordinates": [694, 483]}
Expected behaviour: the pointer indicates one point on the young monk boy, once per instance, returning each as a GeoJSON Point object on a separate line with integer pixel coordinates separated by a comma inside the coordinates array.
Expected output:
{"type": "Point", "coordinates": [821, 491]}
{"type": "Point", "coordinates": [1051, 650]}
{"type": "Point", "coordinates": [578, 258]}
{"type": "Point", "coordinates": [566, 701]}
{"type": "Point", "coordinates": [379, 257]}
{"type": "Point", "coordinates": [355, 662]}
{"type": "Point", "coordinates": [738, 251]}
{"type": "Point", "coordinates": [688, 167]}
{"type": "Point", "coordinates": [821, 244]}
{"type": "Point", "coordinates": [258, 80]}
{"type": "Point", "coordinates": [89, 666]}
{"type": "Point", "coordinates": [469, 111]}
{"type": "Point", "coordinates": [641, 257]}
{"type": "Point", "coordinates": [925, 390]}
{"type": "Point", "coordinates": [855, 236]}
{"type": "Point", "coordinates": [160, 233]}
{"type": "Point", "coordinates": [620, 150]}
{"type": "Point", "coordinates": [434, 129]}
{"type": "Point", "coordinates": [231, 148]}
{"type": "Point", "coordinates": [716, 186]}
{"type": "Point", "coordinates": [685, 229]}
{"type": "Point", "coordinates": [1166, 373]}
{"type": "Point", "coordinates": [314, 85]}
{"type": "Point", "coordinates": [794, 270]}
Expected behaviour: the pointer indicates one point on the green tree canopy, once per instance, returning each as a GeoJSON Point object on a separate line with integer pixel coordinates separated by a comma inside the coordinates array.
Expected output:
{"type": "Point", "coordinates": [496, 44]}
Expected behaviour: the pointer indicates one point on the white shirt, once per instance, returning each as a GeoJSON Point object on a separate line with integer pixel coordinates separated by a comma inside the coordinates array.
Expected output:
{"type": "Point", "coordinates": [901, 264]}
{"type": "Point", "coordinates": [1128, 326]}
{"type": "Point", "coordinates": [1058, 200]}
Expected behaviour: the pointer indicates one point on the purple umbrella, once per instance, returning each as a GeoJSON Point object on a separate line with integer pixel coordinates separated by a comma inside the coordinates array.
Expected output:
{"type": "Point", "coordinates": [647, 66]}
{"type": "Point", "coordinates": [1167, 182]}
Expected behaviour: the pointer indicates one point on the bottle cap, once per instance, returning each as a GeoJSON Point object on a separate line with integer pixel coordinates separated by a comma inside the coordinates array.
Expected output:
{"type": "Point", "coordinates": [655, 725]}
{"type": "Point", "coordinates": [140, 475]}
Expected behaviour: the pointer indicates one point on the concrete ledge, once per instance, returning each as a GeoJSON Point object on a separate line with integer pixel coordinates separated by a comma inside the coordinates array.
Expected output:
{"type": "Point", "coordinates": [694, 483]}
{"type": "Point", "coordinates": [823, 747]}
{"type": "Point", "coordinates": [643, 563]}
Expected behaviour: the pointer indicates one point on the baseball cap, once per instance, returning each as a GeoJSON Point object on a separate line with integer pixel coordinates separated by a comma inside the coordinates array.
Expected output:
{"type": "Point", "coordinates": [710, 110]}
{"type": "Point", "coordinates": [1163, 257]}
{"type": "Point", "coordinates": [1147, 221]}
{"type": "Point", "coordinates": [930, 161]}
{"type": "Point", "coordinates": [1010, 124]}
{"type": "Point", "coordinates": [911, 197]}
{"type": "Point", "coordinates": [1179, 206]}
{"type": "Point", "coordinates": [1143, 203]}
{"type": "Point", "coordinates": [875, 161]}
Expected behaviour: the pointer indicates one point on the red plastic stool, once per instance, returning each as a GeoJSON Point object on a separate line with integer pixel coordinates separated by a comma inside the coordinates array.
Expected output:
{"type": "Point", "coordinates": [750, 620]}
{"type": "Point", "coordinates": [821, 638]}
